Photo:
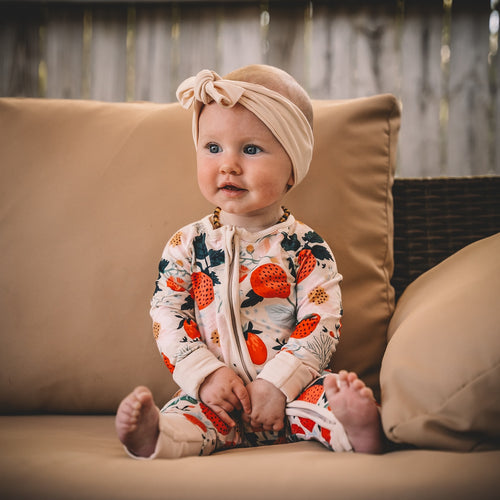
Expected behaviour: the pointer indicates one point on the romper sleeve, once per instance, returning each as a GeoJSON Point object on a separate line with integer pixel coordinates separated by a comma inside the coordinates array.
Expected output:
{"type": "Point", "coordinates": [308, 351]}
{"type": "Point", "coordinates": [174, 325]}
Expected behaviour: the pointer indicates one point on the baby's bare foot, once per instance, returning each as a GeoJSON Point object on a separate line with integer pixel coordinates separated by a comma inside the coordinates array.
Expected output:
{"type": "Point", "coordinates": [354, 405]}
{"type": "Point", "coordinates": [137, 421]}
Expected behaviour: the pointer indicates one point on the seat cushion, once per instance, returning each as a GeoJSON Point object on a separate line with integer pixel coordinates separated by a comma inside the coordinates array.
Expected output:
{"type": "Point", "coordinates": [61, 457]}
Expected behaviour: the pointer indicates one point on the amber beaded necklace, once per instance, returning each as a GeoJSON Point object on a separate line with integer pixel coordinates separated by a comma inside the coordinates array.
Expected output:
{"type": "Point", "coordinates": [217, 224]}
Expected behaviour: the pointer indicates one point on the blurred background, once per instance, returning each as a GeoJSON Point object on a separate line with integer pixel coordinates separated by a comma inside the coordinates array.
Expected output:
{"type": "Point", "coordinates": [439, 58]}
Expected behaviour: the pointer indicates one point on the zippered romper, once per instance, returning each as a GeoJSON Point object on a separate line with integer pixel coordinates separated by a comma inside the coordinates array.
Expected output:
{"type": "Point", "coordinates": [267, 305]}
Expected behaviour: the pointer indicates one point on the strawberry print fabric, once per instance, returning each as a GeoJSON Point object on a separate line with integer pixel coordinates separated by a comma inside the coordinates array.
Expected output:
{"type": "Point", "coordinates": [309, 417]}
{"type": "Point", "coordinates": [266, 304]}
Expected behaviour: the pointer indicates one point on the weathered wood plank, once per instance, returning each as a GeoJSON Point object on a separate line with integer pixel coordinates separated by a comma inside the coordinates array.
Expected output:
{"type": "Point", "coordinates": [20, 50]}
{"type": "Point", "coordinates": [495, 143]}
{"type": "Point", "coordinates": [469, 95]}
{"type": "Point", "coordinates": [355, 52]}
{"type": "Point", "coordinates": [240, 41]}
{"type": "Point", "coordinates": [374, 52]}
{"type": "Point", "coordinates": [421, 93]}
{"type": "Point", "coordinates": [64, 51]}
{"type": "Point", "coordinates": [284, 42]}
{"type": "Point", "coordinates": [320, 70]}
{"type": "Point", "coordinates": [154, 43]}
{"type": "Point", "coordinates": [196, 46]}
{"type": "Point", "coordinates": [494, 74]}
{"type": "Point", "coordinates": [109, 54]}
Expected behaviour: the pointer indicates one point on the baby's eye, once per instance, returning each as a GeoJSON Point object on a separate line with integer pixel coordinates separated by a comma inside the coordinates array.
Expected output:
{"type": "Point", "coordinates": [213, 148]}
{"type": "Point", "coordinates": [252, 149]}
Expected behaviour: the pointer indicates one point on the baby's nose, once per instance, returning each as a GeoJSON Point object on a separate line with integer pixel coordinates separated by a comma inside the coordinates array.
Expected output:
{"type": "Point", "coordinates": [230, 167]}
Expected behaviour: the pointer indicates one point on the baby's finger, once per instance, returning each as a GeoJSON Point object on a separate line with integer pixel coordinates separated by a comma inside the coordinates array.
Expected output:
{"type": "Point", "coordinates": [231, 402]}
{"type": "Point", "coordinates": [223, 415]}
{"type": "Point", "coordinates": [242, 394]}
{"type": "Point", "coordinates": [278, 426]}
{"type": "Point", "coordinates": [246, 418]}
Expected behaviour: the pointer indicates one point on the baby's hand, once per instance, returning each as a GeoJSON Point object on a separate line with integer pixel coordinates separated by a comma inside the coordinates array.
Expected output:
{"type": "Point", "coordinates": [268, 406]}
{"type": "Point", "coordinates": [223, 391]}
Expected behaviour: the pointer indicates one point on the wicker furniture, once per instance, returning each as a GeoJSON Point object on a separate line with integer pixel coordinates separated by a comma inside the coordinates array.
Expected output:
{"type": "Point", "coordinates": [434, 218]}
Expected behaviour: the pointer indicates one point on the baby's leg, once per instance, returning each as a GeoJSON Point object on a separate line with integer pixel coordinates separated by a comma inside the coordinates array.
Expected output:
{"type": "Point", "coordinates": [189, 427]}
{"type": "Point", "coordinates": [184, 427]}
{"type": "Point", "coordinates": [137, 422]}
{"type": "Point", "coordinates": [354, 405]}
{"type": "Point", "coordinates": [310, 418]}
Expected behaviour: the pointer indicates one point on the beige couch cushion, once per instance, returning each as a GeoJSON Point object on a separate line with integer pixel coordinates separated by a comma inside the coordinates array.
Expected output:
{"type": "Point", "coordinates": [52, 457]}
{"type": "Point", "coordinates": [90, 193]}
{"type": "Point", "coordinates": [347, 198]}
{"type": "Point", "coordinates": [441, 373]}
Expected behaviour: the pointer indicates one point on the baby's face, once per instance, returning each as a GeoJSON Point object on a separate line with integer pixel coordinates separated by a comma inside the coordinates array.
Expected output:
{"type": "Point", "coordinates": [241, 165]}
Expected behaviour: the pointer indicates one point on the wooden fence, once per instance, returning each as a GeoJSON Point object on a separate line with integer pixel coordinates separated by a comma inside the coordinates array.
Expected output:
{"type": "Point", "coordinates": [440, 60]}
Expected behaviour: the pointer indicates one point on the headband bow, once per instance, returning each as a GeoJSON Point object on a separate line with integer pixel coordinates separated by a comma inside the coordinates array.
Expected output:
{"type": "Point", "coordinates": [283, 118]}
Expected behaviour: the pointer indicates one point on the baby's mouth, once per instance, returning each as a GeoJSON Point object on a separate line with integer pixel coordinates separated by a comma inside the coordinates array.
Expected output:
{"type": "Point", "coordinates": [231, 187]}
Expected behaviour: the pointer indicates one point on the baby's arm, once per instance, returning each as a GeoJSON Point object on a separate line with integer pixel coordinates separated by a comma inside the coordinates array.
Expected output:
{"type": "Point", "coordinates": [224, 391]}
{"type": "Point", "coordinates": [310, 346]}
{"type": "Point", "coordinates": [174, 322]}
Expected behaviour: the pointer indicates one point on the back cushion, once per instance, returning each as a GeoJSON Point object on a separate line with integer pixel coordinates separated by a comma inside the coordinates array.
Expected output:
{"type": "Point", "coordinates": [91, 192]}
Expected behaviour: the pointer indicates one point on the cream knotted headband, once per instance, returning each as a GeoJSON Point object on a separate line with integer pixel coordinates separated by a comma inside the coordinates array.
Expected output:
{"type": "Point", "coordinates": [281, 116]}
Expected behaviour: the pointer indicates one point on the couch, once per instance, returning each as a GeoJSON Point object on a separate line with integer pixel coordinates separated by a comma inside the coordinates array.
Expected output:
{"type": "Point", "coordinates": [90, 193]}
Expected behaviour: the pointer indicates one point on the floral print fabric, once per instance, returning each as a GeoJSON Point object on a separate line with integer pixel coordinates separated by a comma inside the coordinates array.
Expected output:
{"type": "Point", "coordinates": [266, 304]}
{"type": "Point", "coordinates": [309, 417]}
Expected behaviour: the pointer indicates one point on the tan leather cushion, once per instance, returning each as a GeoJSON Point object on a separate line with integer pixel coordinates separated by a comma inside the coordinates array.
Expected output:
{"type": "Point", "coordinates": [90, 193]}
{"type": "Point", "coordinates": [347, 198]}
{"type": "Point", "coordinates": [441, 373]}
{"type": "Point", "coordinates": [79, 458]}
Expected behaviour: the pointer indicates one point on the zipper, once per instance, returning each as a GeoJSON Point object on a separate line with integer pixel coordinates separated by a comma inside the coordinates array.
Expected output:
{"type": "Point", "coordinates": [231, 246]}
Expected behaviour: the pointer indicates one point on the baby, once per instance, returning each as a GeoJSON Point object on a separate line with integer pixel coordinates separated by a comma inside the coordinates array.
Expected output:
{"type": "Point", "coordinates": [246, 311]}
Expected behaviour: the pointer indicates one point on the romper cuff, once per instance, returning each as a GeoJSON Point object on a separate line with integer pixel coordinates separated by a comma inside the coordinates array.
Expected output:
{"type": "Point", "coordinates": [288, 374]}
{"type": "Point", "coordinates": [191, 371]}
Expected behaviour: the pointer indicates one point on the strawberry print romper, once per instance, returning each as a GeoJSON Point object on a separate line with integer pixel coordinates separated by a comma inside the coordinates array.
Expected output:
{"type": "Point", "coordinates": [265, 304]}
